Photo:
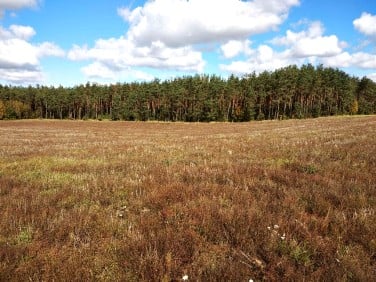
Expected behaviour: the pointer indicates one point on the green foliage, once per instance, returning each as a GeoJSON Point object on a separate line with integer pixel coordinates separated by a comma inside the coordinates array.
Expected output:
{"type": "Point", "coordinates": [25, 236]}
{"type": "Point", "coordinates": [289, 92]}
{"type": "Point", "coordinates": [299, 253]}
{"type": "Point", "coordinates": [366, 96]}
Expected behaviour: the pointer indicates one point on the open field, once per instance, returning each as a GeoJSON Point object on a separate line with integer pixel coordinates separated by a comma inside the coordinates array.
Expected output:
{"type": "Point", "coordinates": [123, 201]}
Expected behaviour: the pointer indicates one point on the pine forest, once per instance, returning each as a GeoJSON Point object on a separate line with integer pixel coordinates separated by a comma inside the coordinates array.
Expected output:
{"type": "Point", "coordinates": [290, 92]}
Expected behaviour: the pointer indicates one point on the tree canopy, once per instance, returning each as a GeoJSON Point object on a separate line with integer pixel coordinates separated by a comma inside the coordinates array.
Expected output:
{"type": "Point", "coordinates": [290, 92]}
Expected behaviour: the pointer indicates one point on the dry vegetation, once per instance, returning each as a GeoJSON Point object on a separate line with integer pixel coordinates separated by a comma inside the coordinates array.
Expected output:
{"type": "Point", "coordinates": [123, 201]}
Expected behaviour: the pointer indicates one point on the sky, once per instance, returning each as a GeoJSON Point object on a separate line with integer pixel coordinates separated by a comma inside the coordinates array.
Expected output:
{"type": "Point", "coordinates": [71, 42]}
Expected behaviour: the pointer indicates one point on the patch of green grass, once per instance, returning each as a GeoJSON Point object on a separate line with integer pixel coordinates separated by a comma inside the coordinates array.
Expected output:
{"type": "Point", "coordinates": [25, 235]}
{"type": "Point", "coordinates": [301, 168]}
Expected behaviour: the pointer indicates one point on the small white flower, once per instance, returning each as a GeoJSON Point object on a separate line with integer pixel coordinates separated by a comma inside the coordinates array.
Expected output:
{"type": "Point", "coordinates": [185, 278]}
{"type": "Point", "coordinates": [250, 280]}
{"type": "Point", "coordinates": [276, 226]}
{"type": "Point", "coordinates": [283, 237]}
{"type": "Point", "coordinates": [269, 228]}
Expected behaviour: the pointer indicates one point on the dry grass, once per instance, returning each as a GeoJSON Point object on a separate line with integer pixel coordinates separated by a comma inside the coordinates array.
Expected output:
{"type": "Point", "coordinates": [122, 201]}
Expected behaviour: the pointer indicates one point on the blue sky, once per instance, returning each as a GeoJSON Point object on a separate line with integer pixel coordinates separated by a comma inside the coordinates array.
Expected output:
{"type": "Point", "coordinates": [107, 41]}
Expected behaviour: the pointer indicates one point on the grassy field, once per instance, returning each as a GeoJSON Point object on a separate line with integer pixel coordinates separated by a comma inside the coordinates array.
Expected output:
{"type": "Point", "coordinates": [124, 201]}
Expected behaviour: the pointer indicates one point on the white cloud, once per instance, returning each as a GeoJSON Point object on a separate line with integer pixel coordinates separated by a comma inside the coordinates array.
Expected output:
{"type": "Point", "coordinates": [19, 59]}
{"type": "Point", "coordinates": [341, 60]}
{"type": "Point", "coordinates": [181, 22]}
{"type": "Point", "coordinates": [359, 59]}
{"type": "Point", "coordinates": [116, 55]}
{"type": "Point", "coordinates": [234, 48]}
{"type": "Point", "coordinates": [323, 46]}
{"type": "Point", "coordinates": [300, 47]}
{"type": "Point", "coordinates": [364, 60]}
{"type": "Point", "coordinates": [97, 70]}
{"type": "Point", "coordinates": [263, 58]}
{"type": "Point", "coordinates": [372, 76]}
{"type": "Point", "coordinates": [22, 32]}
{"type": "Point", "coordinates": [16, 4]}
{"type": "Point", "coordinates": [21, 76]}
{"type": "Point", "coordinates": [17, 31]}
{"type": "Point", "coordinates": [311, 42]}
{"type": "Point", "coordinates": [163, 34]}
{"type": "Point", "coordinates": [17, 53]}
{"type": "Point", "coordinates": [47, 49]}
{"type": "Point", "coordinates": [310, 45]}
{"type": "Point", "coordinates": [125, 13]}
{"type": "Point", "coordinates": [366, 24]}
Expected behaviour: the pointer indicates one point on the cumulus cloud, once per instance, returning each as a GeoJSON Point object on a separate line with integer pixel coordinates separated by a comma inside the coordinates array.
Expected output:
{"type": "Point", "coordinates": [19, 59]}
{"type": "Point", "coordinates": [342, 60]}
{"type": "Point", "coordinates": [49, 49]}
{"type": "Point", "coordinates": [17, 31]}
{"type": "Point", "coordinates": [300, 47]}
{"type": "Point", "coordinates": [164, 34]}
{"type": "Point", "coordinates": [100, 71]}
{"type": "Point", "coordinates": [16, 4]}
{"type": "Point", "coordinates": [23, 76]}
{"type": "Point", "coordinates": [181, 22]}
{"type": "Point", "coordinates": [366, 24]}
{"type": "Point", "coordinates": [125, 13]}
{"type": "Point", "coordinates": [122, 53]}
{"type": "Point", "coordinates": [372, 76]}
{"type": "Point", "coordinates": [311, 42]}
{"type": "Point", "coordinates": [22, 32]}
{"type": "Point", "coordinates": [262, 58]}
{"type": "Point", "coordinates": [359, 59]}
{"type": "Point", "coordinates": [234, 48]}
{"type": "Point", "coordinates": [364, 60]}
{"type": "Point", "coordinates": [310, 45]}
{"type": "Point", "coordinates": [17, 53]}
{"type": "Point", "coordinates": [319, 47]}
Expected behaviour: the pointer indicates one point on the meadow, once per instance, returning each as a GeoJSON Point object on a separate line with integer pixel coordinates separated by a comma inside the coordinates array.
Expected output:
{"type": "Point", "coordinates": [149, 201]}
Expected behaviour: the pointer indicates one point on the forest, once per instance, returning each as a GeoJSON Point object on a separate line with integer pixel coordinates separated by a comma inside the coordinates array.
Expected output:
{"type": "Point", "coordinates": [290, 92]}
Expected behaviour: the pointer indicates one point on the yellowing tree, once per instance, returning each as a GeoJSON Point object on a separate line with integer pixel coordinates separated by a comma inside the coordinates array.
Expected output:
{"type": "Point", "coordinates": [2, 110]}
{"type": "Point", "coordinates": [354, 107]}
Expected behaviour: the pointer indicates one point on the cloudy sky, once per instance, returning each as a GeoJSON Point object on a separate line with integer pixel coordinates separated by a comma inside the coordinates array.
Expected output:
{"type": "Point", "coordinates": [68, 42]}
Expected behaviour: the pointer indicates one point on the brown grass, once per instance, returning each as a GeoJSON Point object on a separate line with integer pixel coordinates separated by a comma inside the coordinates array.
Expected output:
{"type": "Point", "coordinates": [123, 201]}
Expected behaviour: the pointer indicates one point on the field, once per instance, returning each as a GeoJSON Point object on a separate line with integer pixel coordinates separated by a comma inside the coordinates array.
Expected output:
{"type": "Point", "coordinates": [132, 201]}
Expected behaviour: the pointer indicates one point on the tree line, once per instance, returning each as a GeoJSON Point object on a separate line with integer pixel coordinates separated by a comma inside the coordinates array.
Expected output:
{"type": "Point", "coordinates": [290, 92]}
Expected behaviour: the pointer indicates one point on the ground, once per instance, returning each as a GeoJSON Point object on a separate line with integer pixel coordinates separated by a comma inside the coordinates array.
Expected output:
{"type": "Point", "coordinates": [148, 201]}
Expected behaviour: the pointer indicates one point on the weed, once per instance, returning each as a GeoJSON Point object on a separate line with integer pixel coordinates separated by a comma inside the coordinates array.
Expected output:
{"type": "Point", "coordinates": [25, 235]}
